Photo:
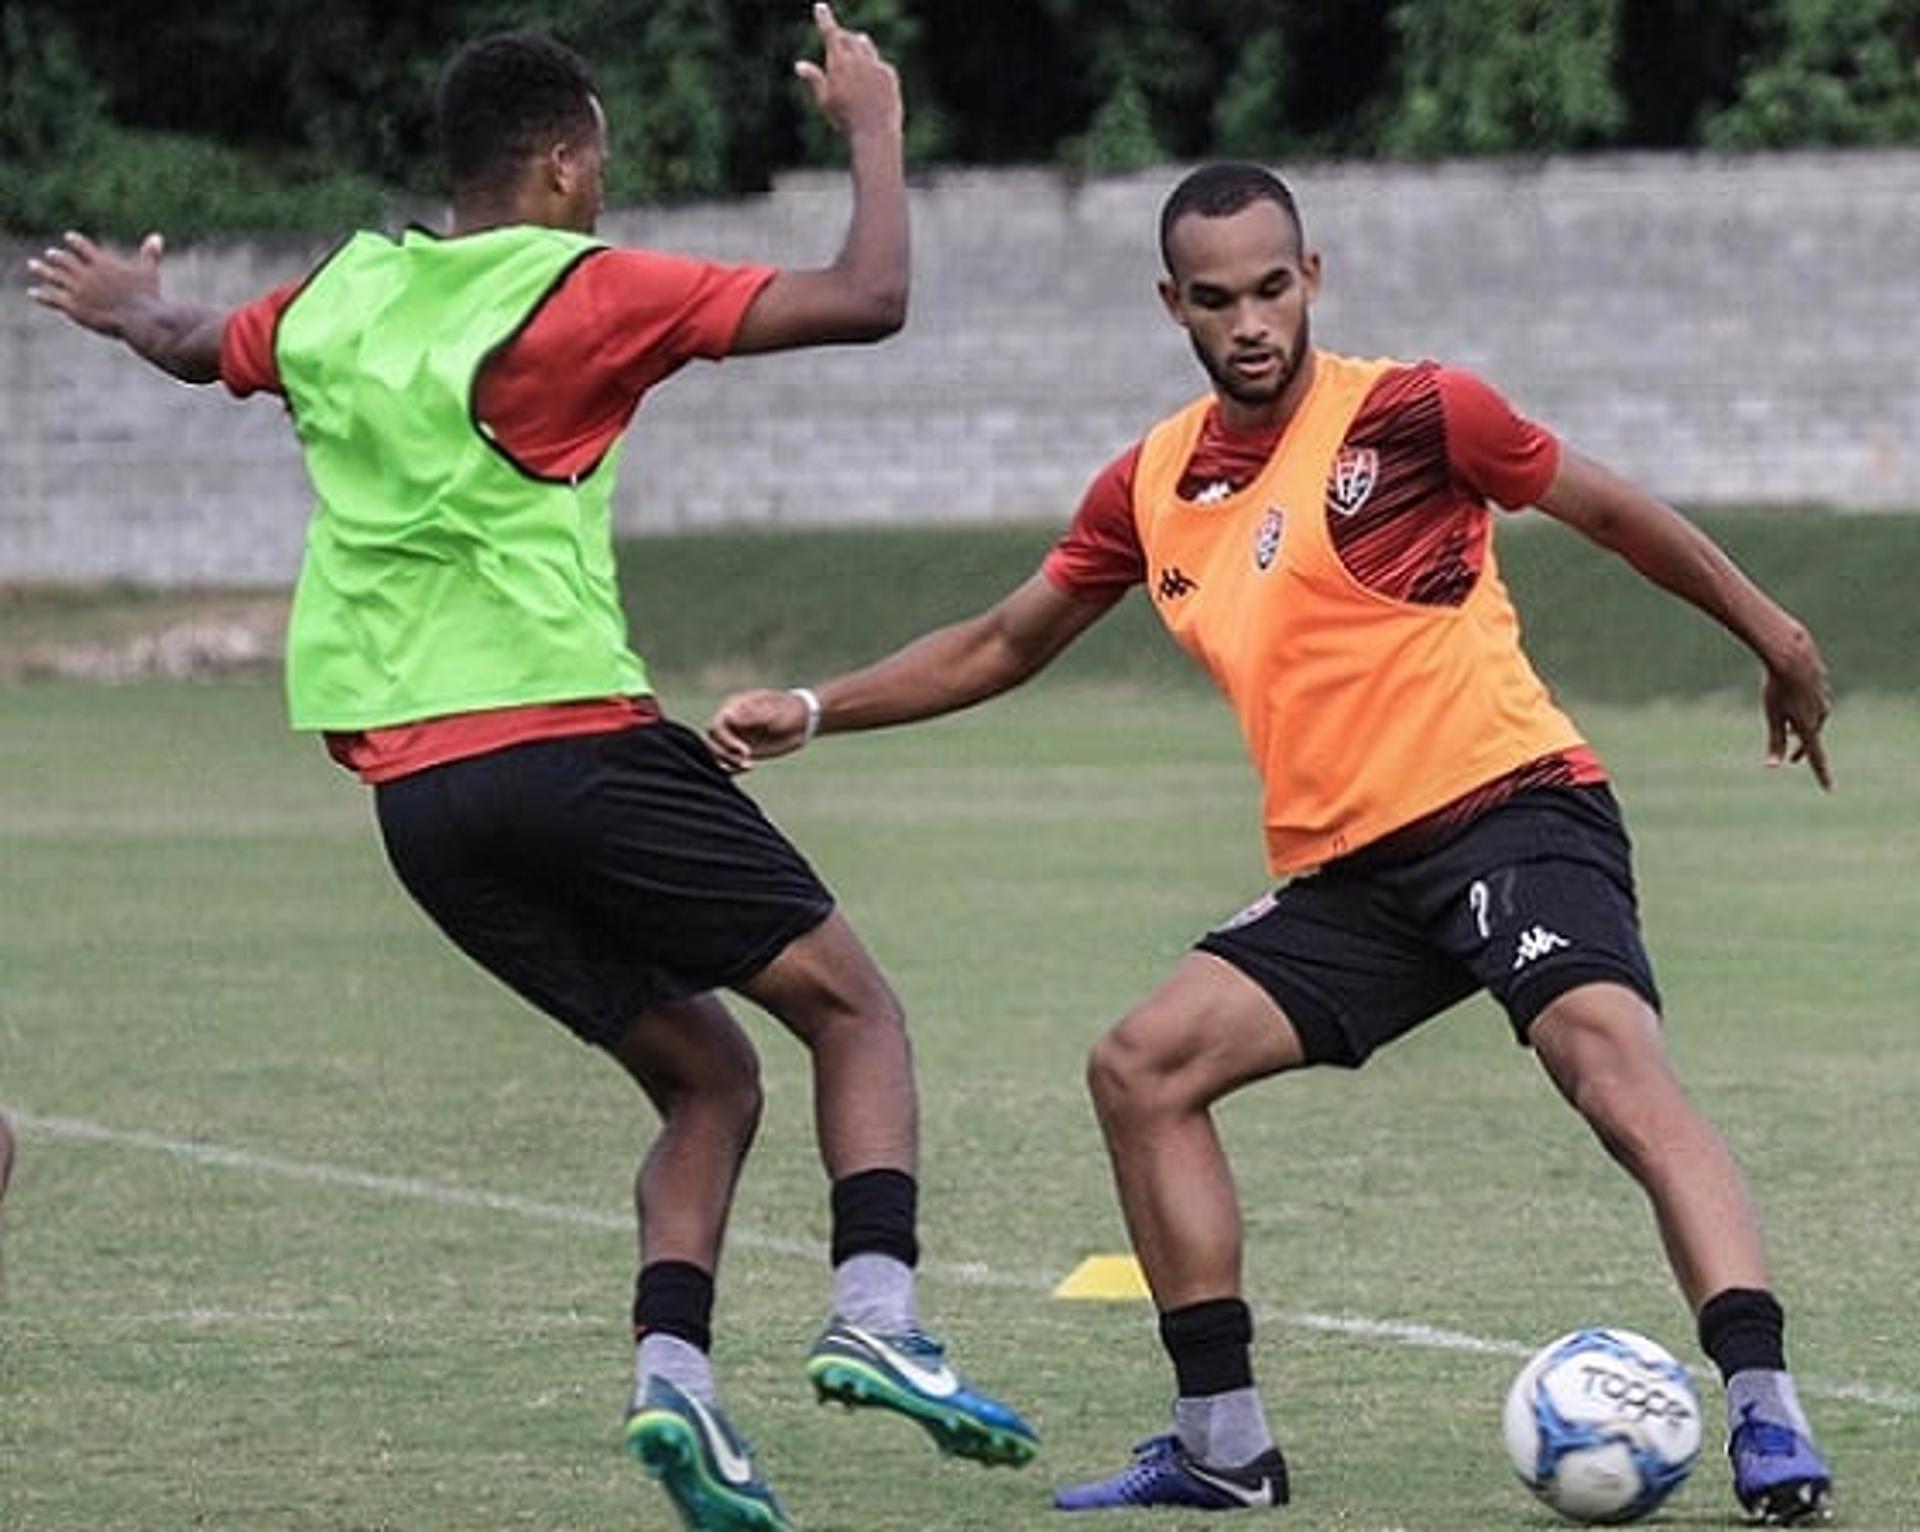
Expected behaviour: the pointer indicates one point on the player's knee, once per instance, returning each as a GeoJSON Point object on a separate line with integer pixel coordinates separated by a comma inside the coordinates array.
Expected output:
{"type": "Point", "coordinates": [728, 1091]}
{"type": "Point", "coordinates": [1109, 1073]}
{"type": "Point", "coordinates": [744, 1098]}
{"type": "Point", "coordinates": [728, 1116]}
{"type": "Point", "coordinates": [1128, 1075]}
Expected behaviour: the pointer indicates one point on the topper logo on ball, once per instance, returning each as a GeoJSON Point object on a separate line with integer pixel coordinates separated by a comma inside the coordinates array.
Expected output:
{"type": "Point", "coordinates": [1634, 1396]}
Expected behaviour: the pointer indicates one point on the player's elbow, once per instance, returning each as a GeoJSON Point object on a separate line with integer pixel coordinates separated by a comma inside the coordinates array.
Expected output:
{"type": "Point", "coordinates": [880, 311]}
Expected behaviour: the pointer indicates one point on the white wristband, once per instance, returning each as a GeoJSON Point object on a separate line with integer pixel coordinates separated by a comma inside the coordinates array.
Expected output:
{"type": "Point", "coordinates": [810, 699]}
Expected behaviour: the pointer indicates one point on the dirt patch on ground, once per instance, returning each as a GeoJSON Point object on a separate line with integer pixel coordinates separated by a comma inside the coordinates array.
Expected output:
{"type": "Point", "coordinates": [110, 636]}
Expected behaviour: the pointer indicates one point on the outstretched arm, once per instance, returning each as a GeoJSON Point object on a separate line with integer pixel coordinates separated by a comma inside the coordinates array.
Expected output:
{"type": "Point", "coordinates": [121, 298]}
{"type": "Point", "coordinates": [862, 296]}
{"type": "Point", "coordinates": [1676, 555]}
{"type": "Point", "coordinates": [940, 672]}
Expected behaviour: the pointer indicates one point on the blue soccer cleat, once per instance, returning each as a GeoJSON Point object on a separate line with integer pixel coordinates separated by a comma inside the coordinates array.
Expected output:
{"type": "Point", "coordinates": [908, 1373]}
{"type": "Point", "coordinates": [701, 1463]}
{"type": "Point", "coordinates": [1163, 1473]}
{"type": "Point", "coordinates": [1779, 1476]}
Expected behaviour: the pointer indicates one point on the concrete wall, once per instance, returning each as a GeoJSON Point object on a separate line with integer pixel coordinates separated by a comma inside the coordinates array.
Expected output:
{"type": "Point", "coordinates": [1723, 330]}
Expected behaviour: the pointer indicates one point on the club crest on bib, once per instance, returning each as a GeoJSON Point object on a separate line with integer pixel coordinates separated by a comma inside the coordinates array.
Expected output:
{"type": "Point", "coordinates": [1355, 472]}
{"type": "Point", "coordinates": [1266, 540]}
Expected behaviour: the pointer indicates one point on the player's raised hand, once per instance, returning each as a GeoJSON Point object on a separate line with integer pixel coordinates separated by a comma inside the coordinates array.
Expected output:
{"type": "Point", "coordinates": [1797, 701]}
{"type": "Point", "coordinates": [855, 88]}
{"type": "Point", "coordinates": [94, 287]}
{"type": "Point", "coordinates": [756, 726]}
{"type": "Point", "coordinates": [120, 298]}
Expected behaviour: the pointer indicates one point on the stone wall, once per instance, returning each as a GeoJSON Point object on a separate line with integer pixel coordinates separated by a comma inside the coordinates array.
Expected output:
{"type": "Point", "coordinates": [1723, 330]}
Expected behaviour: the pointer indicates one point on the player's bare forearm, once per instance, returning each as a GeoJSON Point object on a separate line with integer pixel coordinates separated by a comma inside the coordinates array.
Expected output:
{"type": "Point", "coordinates": [941, 672]}
{"type": "Point", "coordinates": [862, 296]}
{"type": "Point", "coordinates": [1671, 552]}
{"type": "Point", "coordinates": [962, 664]}
{"type": "Point", "coordinates": [180, 338]}
{"type": "Point", "coordinates": [876, 258]}
{"type": "Point", "coordinates": [121, 298]}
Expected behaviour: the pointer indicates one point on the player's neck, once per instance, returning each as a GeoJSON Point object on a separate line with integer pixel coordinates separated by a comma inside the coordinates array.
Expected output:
{"type": "Point", "coordinates": [1242, 419]}
{"type": "Point", "coordinates": [481, 217]}
{"type": "Point", "coordinates": [527, 201]}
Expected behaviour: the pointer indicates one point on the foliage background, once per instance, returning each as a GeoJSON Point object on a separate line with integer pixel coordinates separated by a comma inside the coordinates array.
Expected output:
{"type": "Point", "coordinates": [274, 115]}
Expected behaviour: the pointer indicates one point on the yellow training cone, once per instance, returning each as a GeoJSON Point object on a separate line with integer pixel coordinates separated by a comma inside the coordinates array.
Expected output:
{"type": "Point", "coordinates": [1112, 1277]}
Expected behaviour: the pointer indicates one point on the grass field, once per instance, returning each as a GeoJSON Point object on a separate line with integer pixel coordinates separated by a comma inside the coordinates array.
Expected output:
{"type": "Point", "coordinates": [313, 1228]}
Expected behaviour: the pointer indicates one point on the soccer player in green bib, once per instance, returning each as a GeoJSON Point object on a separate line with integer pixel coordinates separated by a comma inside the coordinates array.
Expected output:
{"type": "Point", "coordinates": [457, 639]}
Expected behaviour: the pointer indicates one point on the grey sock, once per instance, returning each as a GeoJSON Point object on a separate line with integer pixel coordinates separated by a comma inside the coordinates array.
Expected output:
{"type": "Point", "coordinates": [680, 1362]}
{"type": "Point", "coordinates": [1223, 1430]}
{"type": "Point", "coordinates": [1770, 1395]}
{"type": "Point", "coordinates": [876, 1293]}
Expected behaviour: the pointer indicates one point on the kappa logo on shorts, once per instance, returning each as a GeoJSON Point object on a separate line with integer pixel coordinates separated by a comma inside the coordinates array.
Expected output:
{"type": "Point", "coordinates": [1535, 943]}
{"type": "Point", "coordinates": [1250, 914]}
{"type": "Point", "coordinates": [1350, 483]}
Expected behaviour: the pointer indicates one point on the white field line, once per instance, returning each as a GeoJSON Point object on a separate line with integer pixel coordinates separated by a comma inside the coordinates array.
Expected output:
{"type": "Point", "coordinates": [74, 1130]}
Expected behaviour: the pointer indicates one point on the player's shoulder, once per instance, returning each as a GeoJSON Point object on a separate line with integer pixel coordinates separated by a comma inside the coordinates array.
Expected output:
{"type": "Point", "coordinates": [641, 278]}
{"type": "Point", "coordinates": [645, 263]}
{"type": "Point", "coordinates": [1111, 485]}
{"type": "Point", "coordinates": [1418, 391]}
{"type": "Point", "coordinates": [1401, 393]}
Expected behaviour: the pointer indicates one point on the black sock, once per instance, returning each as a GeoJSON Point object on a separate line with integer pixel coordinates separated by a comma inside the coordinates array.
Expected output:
{"type": "Point", "coordinates": [674, 1298]}
{"type": "Point", "coordinates": [1211, 1344]}
{"type": "Point", "coordinates": [874, 1213]}
{"type": "Point", "coordinates": [1742, 1328]}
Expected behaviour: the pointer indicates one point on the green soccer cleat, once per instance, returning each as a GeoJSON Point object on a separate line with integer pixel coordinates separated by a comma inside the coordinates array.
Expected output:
{"type": "Point", "coordinates": [908, 1374]}
{"type": "Point", "coordinates": [701, 1463]}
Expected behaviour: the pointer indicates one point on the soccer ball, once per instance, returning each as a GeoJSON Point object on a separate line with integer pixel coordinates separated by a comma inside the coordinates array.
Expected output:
{"type": "Point", "coordinates": [1603, 1425]}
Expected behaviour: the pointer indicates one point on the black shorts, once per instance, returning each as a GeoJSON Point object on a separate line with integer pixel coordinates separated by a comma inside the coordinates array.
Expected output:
{"type": "Point", "coordinates": [1530, 900]}
{"type": "Point", "coordinates": [601, 874]}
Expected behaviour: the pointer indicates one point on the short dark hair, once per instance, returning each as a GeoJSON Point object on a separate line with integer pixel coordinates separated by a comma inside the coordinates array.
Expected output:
{"type": "Point", "coordinates": [1221, 190]}
{"type": "Point", "coordinates": [505, 97]}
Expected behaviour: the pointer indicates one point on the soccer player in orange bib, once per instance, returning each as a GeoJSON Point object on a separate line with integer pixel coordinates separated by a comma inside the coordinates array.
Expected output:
{"type": "Point", "coordinates": [1315, 531]}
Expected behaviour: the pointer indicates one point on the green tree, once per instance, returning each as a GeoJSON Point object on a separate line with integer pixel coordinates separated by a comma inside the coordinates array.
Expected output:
{"type": "Point", "coordinates": [1008, 75]}
{"type": "Point", "coordinates": [1301, 77]}
{"type": "Point", "coordinates": [897, 31]}
{"type": "Point", "coordinates": [670, 119]}
{"type": "Point", "coordinates": [66, 160]}
{"type": "Point", "coordinates": [1121, 136]}
{"type": "Point", "coordinates": [1150, 72]}
{"type": "Point", "coordinates": [1831, 72]}
{"type": "Point", "coordinates": [1253, 118]}
{"type": "Point", "coordinates": [50, 101]}
{"type": "Point", "coordinates": [1680, 60]}
{"type": "Point", "coordinates": [1504, 77]}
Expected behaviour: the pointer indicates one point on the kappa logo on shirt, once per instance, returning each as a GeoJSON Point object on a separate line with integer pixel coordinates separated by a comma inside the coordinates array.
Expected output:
{"type": "Point", "coordinates": [1351, 482]}
{"type": "Point", "coordinates": [1175, 582]}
